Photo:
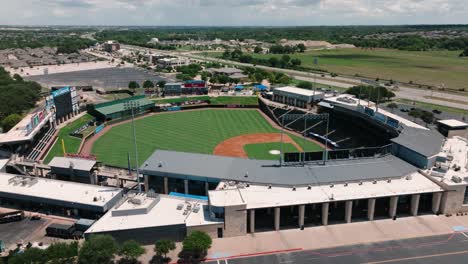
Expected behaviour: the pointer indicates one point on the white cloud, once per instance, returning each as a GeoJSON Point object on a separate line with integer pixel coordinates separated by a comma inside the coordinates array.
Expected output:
{"type": "Point", "coordinates": [233, 12]}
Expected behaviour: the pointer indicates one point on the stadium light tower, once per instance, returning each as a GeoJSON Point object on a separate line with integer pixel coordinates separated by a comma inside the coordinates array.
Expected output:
{"type": "Point", "coordinates": [132, 106]}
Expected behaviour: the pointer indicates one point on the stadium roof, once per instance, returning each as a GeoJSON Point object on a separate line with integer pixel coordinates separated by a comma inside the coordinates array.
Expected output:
{"type": "Point", "coordinates": [179, 164]}
{"type": "Point", "coordinates": [258, 196]}
{"type": "Point", "coordinates": [120, 106]}
{"type": "Point", "coordinates": [78, 164]}
{"type": "Point", "coordinates": [425, 142]}
{"type": "Point", "coordinates": [299, 91]}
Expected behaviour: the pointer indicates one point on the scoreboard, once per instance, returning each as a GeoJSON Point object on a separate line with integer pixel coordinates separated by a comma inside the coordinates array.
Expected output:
{"type": "Point", "coordinates": [64, 100]}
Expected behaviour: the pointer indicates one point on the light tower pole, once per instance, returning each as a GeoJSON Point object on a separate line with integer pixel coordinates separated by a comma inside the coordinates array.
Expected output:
{"type": "Point", "coordinates": [132, 106]}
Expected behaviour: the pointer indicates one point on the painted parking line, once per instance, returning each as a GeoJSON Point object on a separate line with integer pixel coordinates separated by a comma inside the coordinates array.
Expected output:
{"type": "Point", "coordinates": [419, 257]}
{"type": "Point", "coordinates": [255, 254]}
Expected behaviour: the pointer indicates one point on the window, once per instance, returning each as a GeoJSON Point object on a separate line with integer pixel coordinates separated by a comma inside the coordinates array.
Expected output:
{"type": "Point", "coordinates": [465, 199]}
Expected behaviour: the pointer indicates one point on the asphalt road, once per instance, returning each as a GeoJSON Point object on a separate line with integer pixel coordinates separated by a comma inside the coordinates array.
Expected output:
{"type": "Point", "coordinates": [450, 248]}
{"type": "Point", "coordinates": [343, 82]}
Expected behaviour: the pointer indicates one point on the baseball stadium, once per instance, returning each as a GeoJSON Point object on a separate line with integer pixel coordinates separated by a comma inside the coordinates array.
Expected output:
{"type": "Point", "coordinates": [294, 159]}
{"type": "Point", "coordinates": [230, 132]}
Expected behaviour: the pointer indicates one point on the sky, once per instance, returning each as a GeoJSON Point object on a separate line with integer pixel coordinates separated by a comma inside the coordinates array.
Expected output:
{"type": "Point", "coordinates": [232, 12]}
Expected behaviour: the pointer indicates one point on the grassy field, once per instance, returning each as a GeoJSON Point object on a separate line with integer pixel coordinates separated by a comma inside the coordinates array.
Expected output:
{"type": "Point", "coordinates": [195, 131]}
{"type": "Point", "coordinates": [180, 100]}
{"type": "Point", "coordinates": [262, 151]}
{"type": "Point", "coordinates": [220, 100]}
{"type": "Point", "coordinates": [425, 67]}
{"type": "Point", "coordinates": [71, 143]}
{"type": "Point", "coordinates": [235, 100]}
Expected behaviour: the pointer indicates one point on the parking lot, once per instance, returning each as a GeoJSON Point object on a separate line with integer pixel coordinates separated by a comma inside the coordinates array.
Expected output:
{"type": "Point", "coordinates": [109, 78]}
{"type": "Point", "coordinates": [28, 230]}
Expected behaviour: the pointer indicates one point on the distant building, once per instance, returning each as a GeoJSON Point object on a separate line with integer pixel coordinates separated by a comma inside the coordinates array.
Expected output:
{"type": "Point", "coordinates": [294, 96]}
{"type": "Point", "coordinates": [172, 62]}
{"type": "Point", "coordinates": [111, 46]}
{"type": "Point", "coordinates": [452, 127]}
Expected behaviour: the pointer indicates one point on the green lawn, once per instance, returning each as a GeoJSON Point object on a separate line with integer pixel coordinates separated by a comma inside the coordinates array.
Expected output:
{"type": "Point", "coordinates": [220, 100]}
{"type": "Point", "coordinates": [234, 100]}
{"type": "Point", "coordinates": [195, 131]}
{"type": "Point", "coordinates": [262, 151]}
{"type": "Point", "coordinates": [425, 67]}
{"type": "Point", "coordinates": [71, 143]}
{"type": "Point", "coordinates": [180, 100]}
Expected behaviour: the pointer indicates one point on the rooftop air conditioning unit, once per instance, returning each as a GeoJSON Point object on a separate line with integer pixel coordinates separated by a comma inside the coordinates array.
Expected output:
{"type": "Point", "coordinates": [456, 179]}
{"type": "Point", "coordinates": [136, 200]}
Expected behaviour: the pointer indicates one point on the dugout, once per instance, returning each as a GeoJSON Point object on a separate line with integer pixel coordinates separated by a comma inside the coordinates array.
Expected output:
{"type": "Point", "coordinates": [117, 109]}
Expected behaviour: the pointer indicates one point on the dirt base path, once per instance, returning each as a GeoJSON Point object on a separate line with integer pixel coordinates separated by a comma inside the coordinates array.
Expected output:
{"type": "Point", "coordinates": [234, 147]}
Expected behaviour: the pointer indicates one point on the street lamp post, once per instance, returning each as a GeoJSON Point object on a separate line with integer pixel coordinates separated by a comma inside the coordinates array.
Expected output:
{"type": "Point", "coordinates": [132, 106]}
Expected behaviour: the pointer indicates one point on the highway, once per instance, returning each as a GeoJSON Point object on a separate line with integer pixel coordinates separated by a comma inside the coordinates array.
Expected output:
{"type": "Point", "coordinates": [404, 92]}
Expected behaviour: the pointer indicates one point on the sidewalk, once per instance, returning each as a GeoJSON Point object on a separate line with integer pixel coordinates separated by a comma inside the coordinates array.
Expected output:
{"type": "Point", "coordinates": [337, 235]}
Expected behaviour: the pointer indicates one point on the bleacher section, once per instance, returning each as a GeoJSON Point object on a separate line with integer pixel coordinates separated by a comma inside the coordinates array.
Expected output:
{"type": "Point", "coordinates": [39, 146]}
{"type": "Point", "coordinates": [346, 130]}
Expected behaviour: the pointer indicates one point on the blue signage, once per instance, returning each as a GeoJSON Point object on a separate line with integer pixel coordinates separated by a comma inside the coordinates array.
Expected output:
{"type": "Point", "coordinates": [61, 91]}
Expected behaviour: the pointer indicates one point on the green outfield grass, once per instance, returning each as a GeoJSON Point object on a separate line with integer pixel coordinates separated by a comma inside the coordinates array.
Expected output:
{"type": "Point", "coordinates": [262, 151]}
{"type": "Point", "coordinates": [180, 100]}
{"type": "Point", "coordinates": [71, 143]}
{"type": "Point", "coordinates": [195, 131]}
{"type": "Point", "coordinates": [234, 100]}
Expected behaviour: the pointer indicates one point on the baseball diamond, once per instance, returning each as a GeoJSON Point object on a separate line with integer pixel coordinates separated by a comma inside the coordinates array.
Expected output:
{"type": "Point", "coordinates": [198, 131]}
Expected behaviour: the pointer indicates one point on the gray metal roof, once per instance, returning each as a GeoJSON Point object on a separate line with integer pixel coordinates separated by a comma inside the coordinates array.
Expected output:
{"type": "Point", "coordinates": [66, 163]}
{"type": "Point", "coordinates": [187, 165]}
{"type": "Point", "coordinates": [425, 142]}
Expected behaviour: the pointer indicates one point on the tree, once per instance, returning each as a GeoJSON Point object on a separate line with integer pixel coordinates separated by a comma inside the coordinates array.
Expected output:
{"type": "Point", "coordinates": [464, 53]}
{"type": "Point", "coordinates": [18, 77]}
{"type": "Point", "coordinates": [273, 61]}
{"type": "Point", "coordinates": [296, 62]}
{"type": "Point", "coordinates": [258, 49]}
{"type": "Point", "coordinates": [305, 85]}
{"type": "Point", "coordinates": [301, 47]}
{"type": "Point", "coordinates": [30, 255]}
{"type": "Point", "coordinates": [10, 121]}
{"type": "Point", "coordinates": [196, 245]}
{"type": "Point", "coordinates": [161, 84]}
{"type": "Point", "coordinates": [285, 61]}
{"type": "Point", "coordinates": [148, 84]}
{"type": "Point", "coordinates": [164, 246]}
{"type": "Point", "coordinates": [62, 253]}
{"type": "Point", "coordinates": [99, 249]}
{"type": "Point", "coordinates": [131, 250]}
{"type": "Point", "coordinates": [133, 85]}
{"type": "Point", "coordinates": [392, 106]}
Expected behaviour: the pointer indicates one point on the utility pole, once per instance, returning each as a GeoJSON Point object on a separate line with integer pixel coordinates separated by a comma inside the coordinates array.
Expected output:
{"type": "Point", "coordinates": [132, 106]}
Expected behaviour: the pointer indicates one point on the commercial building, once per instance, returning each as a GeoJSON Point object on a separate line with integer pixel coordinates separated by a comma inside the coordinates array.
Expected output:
{"type": "Point", "coordinates": [294, 96]}
{"type": "Point", "coordinates": [111, 46]}
{"type": "Point", "coordinates": [172, 62]}
{"type": "Point", "coordinates": [189, 87]}
{"type": "Point", "coordinates": [74, 169]}
{"type": "Point", "coordinates": [452, 127]}
{"type": "Point", "coordinates": [150, 217]}
{"type": "Point", "coordinates": [57, 197]}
